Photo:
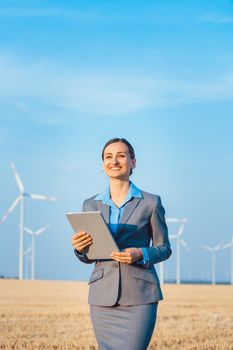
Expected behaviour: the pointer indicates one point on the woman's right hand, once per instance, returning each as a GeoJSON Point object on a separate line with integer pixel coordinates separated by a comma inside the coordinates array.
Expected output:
{"type": "Point", "coordinates": [81, 240]}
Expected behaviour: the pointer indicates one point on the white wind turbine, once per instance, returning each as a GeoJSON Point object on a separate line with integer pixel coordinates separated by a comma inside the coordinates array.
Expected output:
{"type": "Point", "coordinates": [230, 245]}
{"type": "Point", "coordinates": [20, 199]}
{"type": "Point", "coordinates": [33, 245]}
{"type": "Point", "coordinates": [213, 251]}
{"type": "Point", "coordinates": [161, 268]}
{"type": "Point", "coordinates": [179, 241]}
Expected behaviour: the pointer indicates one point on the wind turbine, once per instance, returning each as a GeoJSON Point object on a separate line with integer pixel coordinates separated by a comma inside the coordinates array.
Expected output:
{"type": "Point", "coordinates": [20, 199]}
{"type": "Point", "coordinates": [179, 241]}
{"type": "Point", "coordinates": [34, 234]}
{"type": "Point", "coordinates": [230, 245]}
{"type": "Point", "coordinates": [161, 265]}
{"type": "Point", "coordinates": [213, 251]}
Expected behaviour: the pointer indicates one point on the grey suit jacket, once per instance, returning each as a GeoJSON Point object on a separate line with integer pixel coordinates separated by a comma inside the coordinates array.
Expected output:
{"type": "Point", "coordinates": [142, 223]}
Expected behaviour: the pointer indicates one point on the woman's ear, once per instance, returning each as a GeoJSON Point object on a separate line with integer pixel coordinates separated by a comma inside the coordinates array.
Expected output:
{"type": "Point", "coordinates": [133, 163]}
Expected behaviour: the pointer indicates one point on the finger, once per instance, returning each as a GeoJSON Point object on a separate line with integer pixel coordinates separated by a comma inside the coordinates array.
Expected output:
{"type": "Point", "coordinates": [121, 254]}
{"type": "Point", "coordinates": [82, 238]}
{"type": "Point", "coordinates": [127, 249]}
{"type": "Point", "coordinates": [83, 243]}
{"type": "Point", "coordinates": [89, 239]}
{"type": "Point", "coordinates": [82, 246]}
{"type": "Point", "coordinates": [80, 234]}
{"type": "Point", "coordinates": [123, 259]}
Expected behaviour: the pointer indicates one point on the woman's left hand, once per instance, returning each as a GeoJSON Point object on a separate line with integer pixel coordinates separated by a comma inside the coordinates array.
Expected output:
{"type": "Point", "coordinates": [128, 256]}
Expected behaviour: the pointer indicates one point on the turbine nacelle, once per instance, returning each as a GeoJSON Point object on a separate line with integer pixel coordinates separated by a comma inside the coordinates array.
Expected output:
{"type": "Point", "coordinates": [213, 249]}
{"type": "Point", "coordinates": [37, 232]}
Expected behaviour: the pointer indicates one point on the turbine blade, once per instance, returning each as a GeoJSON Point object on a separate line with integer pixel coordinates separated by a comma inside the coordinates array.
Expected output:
{"type": "Point", "coordinates": [172, 236]}
{"type": "Point", "coordinates": [43, 229]}
{"type": "Point", "coordinates": [12, 207]}
{"type": "Point", "coordinates": [228, 245]}
{"type": "Point", "coordinates": [42, 197]}
{"type": "Point", "coordinates": [173, 220]}
{"type": "Point", "coordinates": [28, 230]}
{"type": "Point", "coordinates": [217, 247]}
{"type": "Point", "coordinates": [181, 229]}
{"type": "Point", "coordinates": [184, 244]}
{"type": "Point", "coordinates": [181, 220]}
{"type": "Point", "coordinates": [17, 178]}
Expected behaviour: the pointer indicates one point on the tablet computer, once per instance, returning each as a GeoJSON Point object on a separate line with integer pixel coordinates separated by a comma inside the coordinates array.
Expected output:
{"type": "Point", "coordinates": [93, 223]}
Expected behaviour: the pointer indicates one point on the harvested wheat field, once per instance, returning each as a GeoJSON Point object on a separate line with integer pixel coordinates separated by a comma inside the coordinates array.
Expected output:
{"type": "Point", "coordinates": [54, 315]}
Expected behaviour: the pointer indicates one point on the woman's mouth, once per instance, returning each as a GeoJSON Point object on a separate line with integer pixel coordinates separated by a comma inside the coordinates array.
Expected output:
{"type": "Point", "coordinates": [115, 168]}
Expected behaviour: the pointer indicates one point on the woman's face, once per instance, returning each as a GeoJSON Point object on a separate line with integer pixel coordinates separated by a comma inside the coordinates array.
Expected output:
{"type": "Point", "coordinates": [117, 162]}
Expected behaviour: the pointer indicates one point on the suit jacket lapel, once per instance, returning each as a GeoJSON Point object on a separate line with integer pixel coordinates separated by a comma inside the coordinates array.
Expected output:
{"type": "Point", "coordinates": [128, 210]}
{"type": "Point", "coordinates": [104, 210]}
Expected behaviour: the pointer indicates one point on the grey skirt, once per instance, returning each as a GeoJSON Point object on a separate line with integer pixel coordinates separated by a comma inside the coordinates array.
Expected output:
{"type": "Point", "coordinates": [123, 327]}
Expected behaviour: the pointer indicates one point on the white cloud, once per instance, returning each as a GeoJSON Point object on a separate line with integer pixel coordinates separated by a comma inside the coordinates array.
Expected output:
{"type": "Point", "coordinates": [107, 93]}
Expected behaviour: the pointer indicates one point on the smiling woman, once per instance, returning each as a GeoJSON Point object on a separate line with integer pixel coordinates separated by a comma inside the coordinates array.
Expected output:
{"type": "Point", "coordinates": [124, 291]}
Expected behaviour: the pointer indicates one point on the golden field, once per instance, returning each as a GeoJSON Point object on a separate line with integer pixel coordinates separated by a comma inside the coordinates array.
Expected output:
{"type": "Point", "coordinates": [55, 315]}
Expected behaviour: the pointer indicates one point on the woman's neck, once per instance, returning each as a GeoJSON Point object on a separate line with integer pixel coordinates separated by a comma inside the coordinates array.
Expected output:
{"type": "Point", "coordinates": [119, 190]}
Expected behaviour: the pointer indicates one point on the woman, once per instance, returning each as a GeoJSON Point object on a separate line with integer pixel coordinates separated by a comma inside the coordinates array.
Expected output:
{"type": "Point", "coordinates": [124, 292]}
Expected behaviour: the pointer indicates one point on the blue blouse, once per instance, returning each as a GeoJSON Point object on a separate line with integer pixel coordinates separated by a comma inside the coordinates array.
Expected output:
{"type": "Point", "coordinates": [117, 212]}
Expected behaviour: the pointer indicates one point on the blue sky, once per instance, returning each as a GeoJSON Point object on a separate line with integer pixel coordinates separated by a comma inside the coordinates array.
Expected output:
{"type": "Point", "coordinates": [73, 75]}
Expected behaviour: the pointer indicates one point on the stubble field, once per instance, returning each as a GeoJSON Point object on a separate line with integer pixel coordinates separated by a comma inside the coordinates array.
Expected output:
{"type": "Point", "coordinates": [55, 315]}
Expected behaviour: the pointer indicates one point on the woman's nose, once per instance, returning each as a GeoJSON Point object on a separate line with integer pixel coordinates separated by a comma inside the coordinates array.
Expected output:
{"type": "Point", "coordinates": [115, 160]}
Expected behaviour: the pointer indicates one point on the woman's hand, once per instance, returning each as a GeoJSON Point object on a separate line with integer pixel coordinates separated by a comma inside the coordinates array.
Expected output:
{"type": "Point", "coordinates": [81, 240]}
{"type": "Point", "coordinates": [128, 256]}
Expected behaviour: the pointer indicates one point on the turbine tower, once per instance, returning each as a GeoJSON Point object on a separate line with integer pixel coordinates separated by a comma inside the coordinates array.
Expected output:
{"type": "Point", "coordinates": [179, 241]}
{"type": "Point", "coordinates": [27, 258]}
{"type": "Point", "coordinates": [33, 245]}
{"type": "Point", "coordinates": [20, 199]}
{"type": "Point", "coordinates": [230, 245]}
{"type": "Point", "coordinates": [161, 272]}
{"type": "Point", "coordinates": [213, 251]}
